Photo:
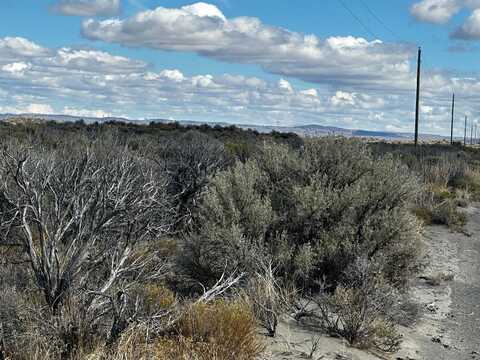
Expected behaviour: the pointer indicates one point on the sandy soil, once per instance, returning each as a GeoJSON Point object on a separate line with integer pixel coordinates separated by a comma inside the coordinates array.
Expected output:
{"type": "Point", "coordinates": [449, 324]}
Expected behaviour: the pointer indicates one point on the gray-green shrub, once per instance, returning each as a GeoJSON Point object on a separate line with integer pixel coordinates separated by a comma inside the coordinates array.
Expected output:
{"type": "Point", "coordinates": [313, 212]}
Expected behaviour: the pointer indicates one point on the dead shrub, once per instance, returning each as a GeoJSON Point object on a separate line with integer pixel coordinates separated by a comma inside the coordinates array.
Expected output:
{"type": "Point", "coordinates": [268, 298]}
{"type": "Point", "coordinates": [358, 309]}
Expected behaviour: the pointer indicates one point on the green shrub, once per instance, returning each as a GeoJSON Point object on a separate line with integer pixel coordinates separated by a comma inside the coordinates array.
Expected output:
{"type": "Point", "coordinates": [312, 212]}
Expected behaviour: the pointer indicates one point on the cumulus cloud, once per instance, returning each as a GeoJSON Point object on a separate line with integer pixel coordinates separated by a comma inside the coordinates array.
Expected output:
{"type": "Point", "coordinates": [87, 7]}
{"type": "Point", "coordinates": [285, 86]}
{"type": "Point", "coordinates": [442, 11]}
{"type": "Point", "coordinates": [470, 30]}
{"type": "Point", "coordinates": [93, 60]}
{"type": "Point", "coordinates": [15, 47]}
{"type": "Point", "coordinates": [87, 82]}
{"type": "Point", "coordinates": [203, 29]}
{"type": "Point", "coordinates": [342, 98]}
{"type": "Point", "coordinates": [435, 11]}
{"type": "Point", "coordinates": [16, 68]}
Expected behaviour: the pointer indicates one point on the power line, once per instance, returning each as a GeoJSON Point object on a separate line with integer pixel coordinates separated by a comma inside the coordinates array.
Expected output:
{"type": "Point", "coordinates": [365, 27]}
{"type": "Point", "coordinates": [379, 20]}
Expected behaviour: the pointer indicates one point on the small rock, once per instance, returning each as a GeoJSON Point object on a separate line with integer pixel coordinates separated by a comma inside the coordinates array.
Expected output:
{"type": "Point", "coordinates": [432, 307]}
{"type": "Point", "coordinates": [436, 340]}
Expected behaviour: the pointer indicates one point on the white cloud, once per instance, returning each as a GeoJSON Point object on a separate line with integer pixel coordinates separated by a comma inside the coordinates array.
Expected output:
{"type": "Point", "coordinates": [342, 98]}
{"type": "Point", "coordinates": [203, 81]}
{"type": "Point", "coordinates": [202, 9]}
{"type": "Point", "coordinates": [470, 30]}
{"type": "Point", "coordinates": [92, 83]}
{"type": "Point", "coordinates": [44, 109]}
{"type": "Point", "coordinates": [85, 112]}
{"type": "Point", "coordinates": [14, 47]}
{"type": "Point", "coordinates": [17, 68]}
{"type": "Point", "coordinates": [93, 60]}
{"type": "Point", "coordinates": [202, 28]}
{"type": "Point", "coordinates": [442, 11]}
{"type": "Point", "coordinates": [174, 75]}
{"type": "Point", "coordinates": [435, 11]}
{"type": "Point", "coordinates": [39, 109]}
{"type": "Point", "coordinates": [310, 92]}
{"type": "Point", "coordinates": [87, 7]}
{"type": "Point", "coordinates": [285, 86]}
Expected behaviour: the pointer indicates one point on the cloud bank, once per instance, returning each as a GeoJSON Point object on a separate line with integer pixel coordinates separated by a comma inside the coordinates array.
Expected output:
{"type": "Point", "coordinates": [88, 82]}
{"type": "Point", "coordinates": [87, 7]}
{"type": "Point", "coordinates": [203, 29]}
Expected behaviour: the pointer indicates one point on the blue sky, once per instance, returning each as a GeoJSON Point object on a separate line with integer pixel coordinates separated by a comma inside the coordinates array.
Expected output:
{"type": "Point", "coordinates": [242, 61]}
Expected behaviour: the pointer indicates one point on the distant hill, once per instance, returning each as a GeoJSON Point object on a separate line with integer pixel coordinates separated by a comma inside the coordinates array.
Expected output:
{"type": "Point", "coordinates": [302, 130]}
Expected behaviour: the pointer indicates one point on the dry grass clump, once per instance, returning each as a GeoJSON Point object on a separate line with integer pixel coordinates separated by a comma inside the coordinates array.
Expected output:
{"type": "Point", "coordinates": [220, 330]}
{"type": "Point", "coordinates": [360, 310]}
{"type": "Point", "coordinates": [439, 205]}
{"type": "Point", "coordinates": [185, 349]}
{"type": "Point", "coordinates": [155, 297]}
{"type": "Point", "coordinates": [132, 345]}
{"type": "Point", "coordinates": [447, 213]}
{"type": "Point", "coordinates": [472, 182]}
{"type": "Point", "coordinates": [268, 298]}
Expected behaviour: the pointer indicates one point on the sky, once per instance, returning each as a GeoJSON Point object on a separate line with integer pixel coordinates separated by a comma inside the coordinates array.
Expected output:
{"type": "Point", "coordinates": [347, 63]}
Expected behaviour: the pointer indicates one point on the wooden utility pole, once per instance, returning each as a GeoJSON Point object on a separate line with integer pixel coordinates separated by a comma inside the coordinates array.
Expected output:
{"type": "Point", "coordinates": [471, 134]}
{"type": "Point", "coordinates": [453, 114]}
{"type": "Point", "coordinates": [417, 101]}
{"type": "Point", "coordinates": [465, 133]}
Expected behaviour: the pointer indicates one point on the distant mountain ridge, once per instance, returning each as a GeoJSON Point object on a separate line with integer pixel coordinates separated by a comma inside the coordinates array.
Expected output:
{"type": "Point", "coordinates": [312, 130]}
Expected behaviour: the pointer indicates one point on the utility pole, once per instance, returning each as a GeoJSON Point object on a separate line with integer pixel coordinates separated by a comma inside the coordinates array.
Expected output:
{"type": "Point", "coordinates": [465, 133]}
{"type": "Point", "coordinates": [471, 134]}
{"type": "Point", "coordinates": [453, 114]}
{"type": "Point", "coordinates": [475, 138]}
{"type": "Point", "coordinates": [417, 102]}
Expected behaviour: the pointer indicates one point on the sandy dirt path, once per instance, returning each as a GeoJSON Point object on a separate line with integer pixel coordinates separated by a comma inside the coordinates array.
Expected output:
{"type": "Point", "coordinates": [450, 326]}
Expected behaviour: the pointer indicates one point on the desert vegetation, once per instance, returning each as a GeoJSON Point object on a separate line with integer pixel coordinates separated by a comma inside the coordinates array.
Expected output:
{"type": "Point", "coordinates": [450, 177]}
{"type": "Point", "coordinates": [121, 241]}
